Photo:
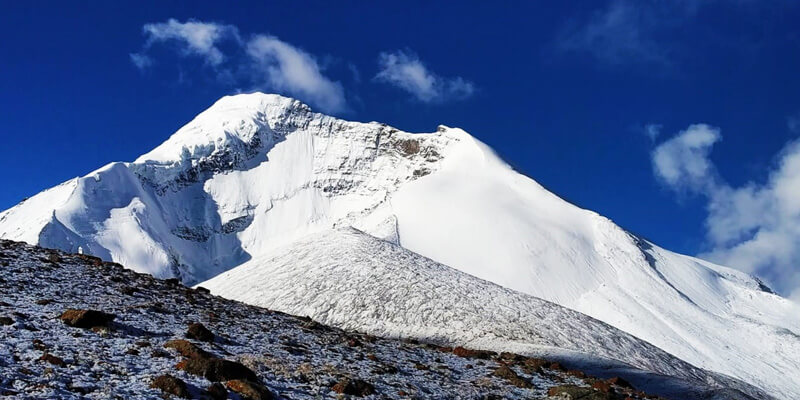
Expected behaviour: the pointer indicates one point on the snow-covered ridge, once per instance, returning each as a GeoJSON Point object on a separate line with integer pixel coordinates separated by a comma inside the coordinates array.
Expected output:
{"type": "Point", "coordinates": [349, 279]}
{"type": "Point", "coordinates": [257, 172]}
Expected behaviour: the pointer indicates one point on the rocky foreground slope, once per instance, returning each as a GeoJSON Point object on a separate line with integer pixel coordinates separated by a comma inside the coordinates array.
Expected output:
{"type": "Point", "coordinates": [73, 326]}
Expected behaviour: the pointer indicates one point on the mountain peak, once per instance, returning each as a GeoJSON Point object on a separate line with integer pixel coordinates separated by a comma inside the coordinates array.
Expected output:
{"type": "Point", "coordinates": [231, 123]}
{"type": "Point", "coordinates": [264, 102]}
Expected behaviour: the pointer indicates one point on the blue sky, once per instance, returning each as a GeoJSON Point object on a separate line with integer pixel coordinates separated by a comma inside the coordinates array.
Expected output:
{"type": "Point", "coordinates": [601, 102]}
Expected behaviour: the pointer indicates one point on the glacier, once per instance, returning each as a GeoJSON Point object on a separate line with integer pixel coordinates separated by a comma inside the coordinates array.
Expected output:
{"type": "Point", "coordinates": [256, 174]}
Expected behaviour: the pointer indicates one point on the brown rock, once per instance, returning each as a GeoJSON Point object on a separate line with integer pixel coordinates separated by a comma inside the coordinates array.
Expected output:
{"type": "Point", "coordinates": [172, 385]}
{"type": "Point", "coordinates": [6, 321]}
{"type": "Point", "coordinates": [505, 372]}
{"type": "Point", "coordinates": [187, 349]}
{"type": "Point", "coordinates": [86, 318]}
{"type": "Point", "coordinates": [555, 366]}
{"type": "Point", "coordinates": [573, 392]}
{"type": "Point", "coordinates": [249, 390]}
{"type": "Point", "coordinates": [128, 290]}
{"type": "Point", "coordinates": [602, 386]}
{"type": "Point", "coordinates": [158, 353]}
{"type": "Point", "coordinates": [353, 387]}
{"type": "Point", "coordinates": [173, 281]}
{"type": "Point", "coordinates": [198, 331]}
{"type": "Point", "coordinates": [203, 290]}
{"type": "Point", "coordinates": [57, 361]}
{"type": "Point", "coordinates": [617, 381]}
{"type": "Point", "coordinates": [576, 373]}
{"type": "Point", "coordinates": [534, 365]}
{"type": "Point", "coordinates": [469, 353]}
{"type": "Point", "coordinates": [217, 391]}
{"type": "Point", "coordinates": [511, 357]}
{"type": "Point", "coordinates": [217, 369]}
{"type": "Point", "coordinates": [54, 258]}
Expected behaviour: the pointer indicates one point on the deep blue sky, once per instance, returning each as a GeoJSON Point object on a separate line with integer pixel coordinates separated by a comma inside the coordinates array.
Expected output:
{"type": "Point", "coordinates": [562, 92]}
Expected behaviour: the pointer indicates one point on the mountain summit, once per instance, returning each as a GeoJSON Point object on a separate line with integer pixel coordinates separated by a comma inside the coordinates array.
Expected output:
{"type": "Point", "coordinates": [256, 177]}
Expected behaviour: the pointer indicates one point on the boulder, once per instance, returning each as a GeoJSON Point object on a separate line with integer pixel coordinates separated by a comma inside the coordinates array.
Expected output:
{"type": "Point", "coordinates": [217, 391]}
{"type": "Point", "coordinates": [573, 392]}
{"type": "Point", "coordinates": [249, 390]}
{"type": "Point", "coordinates": [217, 369]}
{"type": "Point", "coordinates": [353, 387]}
{"type": "Point", "coordinates": [198, 331]}
{"type": "Point", "coordinates": [469, 353]}
{"type": "Point", "coordinates": [57, 361]}
{"type": "Point", "coordinates": [86, 318]}
{"type": "Point", "coordinates": [171, 385]}
{"type": "Point", "coordinates": [505, 372]}
{"type": "Point", "coordinates": [187, 349]}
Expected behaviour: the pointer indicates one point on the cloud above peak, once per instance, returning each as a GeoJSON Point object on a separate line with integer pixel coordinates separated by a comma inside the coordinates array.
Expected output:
{"type": "Point", "coordinates": [257, 62]}
{"type": "Point", "coordinates": [682, 161]}
{"type": "Point", "coordinates": [285, 67]}
{"type": "Point", "coordinates": [405, 71]}
{"type": "Point", "coordinates": [264, 62]}
{"type": "Point", "coordinates": [754, 227]}
{"type": "Point", "coordinates": [192, 37]}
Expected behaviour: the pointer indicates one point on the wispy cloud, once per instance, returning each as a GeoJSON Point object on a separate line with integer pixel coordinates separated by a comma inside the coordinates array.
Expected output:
{"type": "Point", "coordinates": [285, 67]}
{"type": "Point", "coordinates": [621, 33]}
{"type": "Point", "coordinates": [754, 227]}
{"type": "Point", "coordinates": [405, 70]}
{"type": "Point", "coordinates": [192, 37]}
{"type": "Point", "coordinates": [261, 62]}
{"type": "Point", "coordinates": [793, 123]}
{"type": "Point", "coordinates": [141, 61]}
{"type": "Point", "coordinates": [652, 131]}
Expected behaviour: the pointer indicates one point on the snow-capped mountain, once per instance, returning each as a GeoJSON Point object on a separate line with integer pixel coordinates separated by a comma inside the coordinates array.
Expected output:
{"type": "Point", "coordinates": [255, 174]}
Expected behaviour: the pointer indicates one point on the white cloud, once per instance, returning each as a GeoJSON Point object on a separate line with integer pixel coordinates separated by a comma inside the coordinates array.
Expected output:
{"type": "Point", "coordinates": [621, 33]}
{"type": "Point", "coordinates": [285, 67]}
{"type": "Point", "coordinates": [141, 61]}
{"type": "Point", "coordinates": [405, 71]}
{"type": "Point", "coordinates": [682, 162]}
{"type": "Point", "coordinates": [260, 62]}
{"type": "Point", "coordinates": [193, 37]}
{"type": "Point", "coordinates": [793, 122]}
{"type": "Point", "coordinates": [652, 131]}
{"type": "Point", "coordinates": [754, 227]}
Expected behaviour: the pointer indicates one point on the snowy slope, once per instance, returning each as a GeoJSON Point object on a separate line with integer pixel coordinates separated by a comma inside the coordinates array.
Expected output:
{"type": "Point", "coordinates": [352, 280]}
{"type": "Point", "coordinates": [256, 172]}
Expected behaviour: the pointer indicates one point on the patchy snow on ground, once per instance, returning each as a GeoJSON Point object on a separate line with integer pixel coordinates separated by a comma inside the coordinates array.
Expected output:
{"type": "Point", "coordinates": [291, 357]}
